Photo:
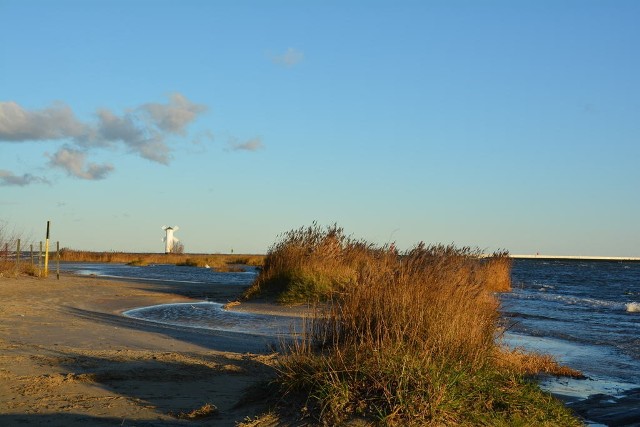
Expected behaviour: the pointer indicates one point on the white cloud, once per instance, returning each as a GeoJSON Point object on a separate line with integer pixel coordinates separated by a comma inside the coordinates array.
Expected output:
{"type": "Point", "coordinates": [55, 122]}
{"type": "Point", "coordinates": [139, 138]}
{"type": "Point", "coordinates": [174, 116]}
{"type": "Point", "coordinates": [253, 144]}
{"type": "Point", "coordinates": [289, 58]}
{"type": "Point", "coordinates": [73, 161]}
{"type": "Point", "coordinates": [118, 128]}
{"type": "Point", "coordinates": [8, 178]}
{"type": "Point", "coordinates": [144, 130]}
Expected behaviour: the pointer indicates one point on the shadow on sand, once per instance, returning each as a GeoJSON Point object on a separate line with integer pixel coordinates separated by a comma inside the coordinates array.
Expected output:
{"type": "Point", "coordinates": [63, 420]}
{"type": "Point", "coordinates": [210, 339]}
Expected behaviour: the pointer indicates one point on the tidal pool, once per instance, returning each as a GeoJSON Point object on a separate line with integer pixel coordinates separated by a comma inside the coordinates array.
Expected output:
{"type": "Point", "coordinates": [212, 315]}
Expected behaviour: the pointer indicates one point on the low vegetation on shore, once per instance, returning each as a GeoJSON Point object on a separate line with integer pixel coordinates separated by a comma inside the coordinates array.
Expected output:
{"type": "Point", "coordinates": [9, 243]}
{"type": "Point", "coordinates": [11, 269]}
{"type": "Point", "coordinates": [220, 262]}
{"type": "Point", "coordinates": [407, 338]}
{"type": "Point", "coordinates": [217, 262]}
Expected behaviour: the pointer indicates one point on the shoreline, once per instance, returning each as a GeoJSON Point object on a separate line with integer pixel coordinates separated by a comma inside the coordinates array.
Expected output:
{"type": "Point", "coordinates": [600, 400]}
{"type": "Point", "coordinates": [68, 356]}
{"type": "Point", "coordinates": [575, 258]}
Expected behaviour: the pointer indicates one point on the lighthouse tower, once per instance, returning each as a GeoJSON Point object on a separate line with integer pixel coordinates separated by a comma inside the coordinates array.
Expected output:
{"type": "Point", "coordinates": [169, 239]}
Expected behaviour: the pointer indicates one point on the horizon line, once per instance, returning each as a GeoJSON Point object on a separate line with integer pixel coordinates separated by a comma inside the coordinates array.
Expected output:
{"type": "Point", "coordinates": [575, 257]}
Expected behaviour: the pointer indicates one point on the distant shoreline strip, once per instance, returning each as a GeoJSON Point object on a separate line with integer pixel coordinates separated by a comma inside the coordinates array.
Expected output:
{"type": "Point", "coordinates": [576, 257]}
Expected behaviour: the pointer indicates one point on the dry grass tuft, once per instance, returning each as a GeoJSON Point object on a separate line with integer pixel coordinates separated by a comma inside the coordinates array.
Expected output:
{"type": "Point", "coordinates": [531, 363]}
{"type": "Point", "coordinates": [207, 410]}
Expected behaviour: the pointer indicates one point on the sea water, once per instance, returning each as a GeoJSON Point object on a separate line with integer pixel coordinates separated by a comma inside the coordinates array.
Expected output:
{"type": "Point", "coordinates": [202, 315]}
{"type": "Point", "coordinates": [212, 315]}
{"type": "Point", "coordinates": [163, 273]}
{"type": "Point", "coordinates": [585, 313]}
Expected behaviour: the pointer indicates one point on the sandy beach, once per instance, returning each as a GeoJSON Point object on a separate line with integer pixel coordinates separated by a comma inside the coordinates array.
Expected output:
{"type": "Point", "coordinates": [69, 358]}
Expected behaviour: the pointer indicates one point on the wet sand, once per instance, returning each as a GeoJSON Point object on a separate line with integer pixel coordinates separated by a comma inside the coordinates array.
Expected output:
{"type": "Point", "coordinates": [69, 358]}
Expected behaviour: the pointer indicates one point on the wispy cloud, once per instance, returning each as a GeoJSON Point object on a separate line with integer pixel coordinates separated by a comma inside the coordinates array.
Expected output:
{"type": "Point", "coordinates": [8, 178]}
{"type": "Point", "coordinates": [55, 122]}
{"type": "Point", "coordinates": [289, 58]}
{"type": "Point", "coordinates": [146, 141]}
{"type": "Point", "coordinates": [73, 161]}
{"type": "Point", "coordinates": [149, 123]}
{"type": "Point", "coordinates": [144, 130]}
{"type": "Point", "coordinates": [253, 144]}
{"type": "Point", "coordinates": [175, 116]}
{"type": "Point", "coordinates": [203, 137]}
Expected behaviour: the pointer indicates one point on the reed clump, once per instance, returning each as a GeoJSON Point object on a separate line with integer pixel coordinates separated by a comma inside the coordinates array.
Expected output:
{"type": "Point", "coordinates": [402, 339]}
{"type": "Point", "coordinates": [307, 264]}
{"type": "Point", "coordinates": [315, 263]}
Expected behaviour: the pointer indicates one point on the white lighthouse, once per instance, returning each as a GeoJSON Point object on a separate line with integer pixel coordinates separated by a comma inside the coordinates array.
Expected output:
{"type": "Point", "coordinates": [169, 239]}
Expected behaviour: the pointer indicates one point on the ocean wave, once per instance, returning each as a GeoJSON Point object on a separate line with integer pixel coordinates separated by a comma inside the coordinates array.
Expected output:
{"type": "Point", "coordinates": [633, 307]}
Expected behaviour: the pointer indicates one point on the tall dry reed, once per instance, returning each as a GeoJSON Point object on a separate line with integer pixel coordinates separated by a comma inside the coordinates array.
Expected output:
{"type": "Point", "coordinates": [404, 338]}
{"type": "Point", "coordinates": [310, 263]}
{"type": "Point", "coordinates": [314, 263]}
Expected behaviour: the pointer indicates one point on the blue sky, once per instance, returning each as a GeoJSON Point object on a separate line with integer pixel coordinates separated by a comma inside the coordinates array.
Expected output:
{"type": "Point", "coordinates": [494, 124]}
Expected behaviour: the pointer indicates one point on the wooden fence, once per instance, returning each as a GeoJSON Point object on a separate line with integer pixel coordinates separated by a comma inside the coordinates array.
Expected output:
{"type": "Point", "coordinates": [34, 261]}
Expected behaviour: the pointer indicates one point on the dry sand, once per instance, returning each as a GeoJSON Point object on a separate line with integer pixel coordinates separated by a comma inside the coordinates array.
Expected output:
{"type": "Point", "coordinates": [69, 358]}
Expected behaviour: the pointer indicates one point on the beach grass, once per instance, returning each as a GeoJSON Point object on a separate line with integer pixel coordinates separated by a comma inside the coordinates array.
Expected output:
{"type": "Point", "coordinates": [400, 338]}
{"type": "Point", "coordinates": [11, 269]}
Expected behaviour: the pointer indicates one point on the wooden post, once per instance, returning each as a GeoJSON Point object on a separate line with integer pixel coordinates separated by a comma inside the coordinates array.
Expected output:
{"type": "Point", "coordinates": [31, 253]}
{"type": "Point", "coordinates": [58, 260]}
{"type": "Point", "coordinates": [46, 253]}
{"type": "Point", "coordinates": [18, 256]}
{"type": "Point", "coordinates": [40, 260]}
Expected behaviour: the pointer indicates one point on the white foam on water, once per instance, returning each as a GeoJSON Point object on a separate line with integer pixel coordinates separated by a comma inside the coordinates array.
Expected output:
{"type": "Point", "coordinates": [633, 307]}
